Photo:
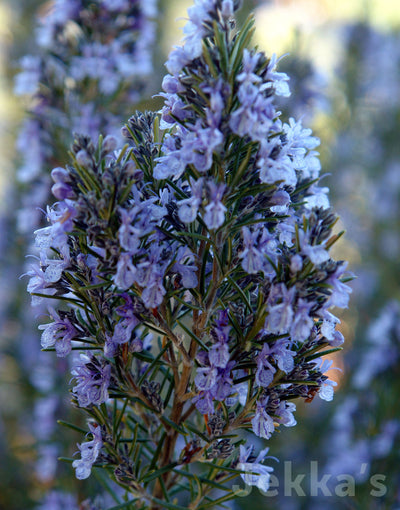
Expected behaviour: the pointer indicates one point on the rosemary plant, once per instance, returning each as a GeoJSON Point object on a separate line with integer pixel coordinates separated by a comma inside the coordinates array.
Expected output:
{"type": "Point", "coordinates": [195, 275]}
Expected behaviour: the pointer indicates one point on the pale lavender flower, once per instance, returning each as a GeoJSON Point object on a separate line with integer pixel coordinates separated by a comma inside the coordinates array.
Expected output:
{"type": "Point", "coordinates": [279, 80]}
{"type": "Point", "coordinates": [283, 355]}
{"type": "Point", "coordinates": [185, 268]}
{"type": "Point", "coordinates": [262, 423]}
{"type": "Point", "coordinates": [265, 370]}
{"type": "Point", "coordinates": [276, 170]}
{"type": "Point", "coordinates": [223, 386]}
{"type": "Point", "coordinates": [382, 350]}
{"type": "Point", "coordinates": [194, 32]}
{"type": "Point", "coordinates": [280, 310]}
{"type": "Point", "coordinates": [252, 258]}
{"type": "Point", "coordinates": [154, 292]}
{"type": "Point", "coordinates": [316, 253]}
{"type": "Point", "coordinates": [326, 390]}
{"type": "Point", "coordinates": [39, 150]}
{"type": "Point", "coordinates": [340, 291]}
{"type": "Point", "coordinates": [214, 381]}
{"type": "Point", "coordinates": [215, 210]}
{"type": "Point", "coordinates": [278, 353]}
{"type": "Point", "coordinates": [189, 207]}
{"type": "Point", "coordinates": [299, 145]}
{"type": "Point", "coordinates": [329, 331]}
{"type": "Point", "coordinates": [206, 378]}
{"type": "Point", "coordinates": [256, 473]}
{"type": "Point", "coordinates": [317, 198]}
{"type": "Point", "coordinates": [285, 413]}
{"type": "Point", "coordinates": [89, 452]}
{"type": "Point", "coordinates": [296, 263]}
{"type": "Point", "coordinates": [93, 379]}
{"type": "Point", "coordinates": [124, 328]}
{"type": "Point", "coordinates": [46, 463]}
{"type": "Point", "coordinates": [38, 284]}
{"type": "Point", "coordinates": [126, 272]}
{"type": "Point", "coordinates": [44, 420]}
{"type": "Point", "coordinates": [302, 322]}
{"type": "Point", "coordinates": [59, 334]}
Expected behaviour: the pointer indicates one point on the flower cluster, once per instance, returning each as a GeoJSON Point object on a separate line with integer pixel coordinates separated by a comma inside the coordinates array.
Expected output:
{"type": "Point", "coordinates": [196, 271]}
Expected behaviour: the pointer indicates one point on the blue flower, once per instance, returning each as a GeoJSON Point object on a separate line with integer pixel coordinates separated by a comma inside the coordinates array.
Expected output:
{"type": "Point", "coordinates": [262, 423]}
{"type": "Point", "coordinates": [189, 207]}
{"type": "Point", "coordinates": [275, 170]}
{"type": "Point", "coordinates": [279, 353]}
{"type": "Point", "coordinates": [214, 216]}
{"type": "Point", "coordinates": [154, 292]}
{"type": "Point", "coordinates": [89, 452]}
{"type": "Point", "coordinates": [93, 379]}
{"type": "Point", "coordinates": [326, 391]}
{"type": "Point", "coordinates": [206, 378]}
{"type": "Point", "coordinates": [174, 108]}
{"type": "Point", "coordinates": [128, 234]}
{"type": "Point", "coordinates": [59, 334]}
{"type": "Point", "coordinates": [222, 389]}
{"type": "Point", "coordinates": [340, 291]}
{"type": "Point", "coordinates": [194, 31]}
{"type": "Point", "coordinates": [126, 272]}
{"type": "Point", "coordinates": [277, 79]}
{"type": "Point", "coordinates": [283, 355]}
{"type": "Point", "coordinates": [328, 329]}
{"type": "Point", "coordinates": [252, 258]}
{"type": "Point", "coordinates": [183, 266]}
{"type": "Point", "coordinates": [255, 472]}
{"type": "Point", "coordinates": [317, 253]}
{"type": "Point", "coordinates": [302, 322]}
{"type": "Point", "coordinates": [285, 413]}
{"type": "Point", "coordinates": [204, 402]}
{"type": "Point", "coordinates": [27, 81]}
{"type": "Point", "coordinates": [214, 381]}
{"type": "Point", "coordinates": [39, 284]}
{"type": "Point", "coordinates": [265, 370]}
{"type": "Point", "coordinates": [124, 328]}
{"type": "Point", "coordinates": [280, 310]}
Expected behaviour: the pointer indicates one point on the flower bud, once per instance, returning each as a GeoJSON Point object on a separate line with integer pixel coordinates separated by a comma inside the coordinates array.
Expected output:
{"type": "Point", "coordinates": [59, 174]}
{"type": "Point", "coordinates": [296, 263]}
{"type": "Point", "coordinates": [110, 143]}
{"type": "Point", "coordinates": [83, 158]}
{"type": "Point", "coordinates": [62, 191]}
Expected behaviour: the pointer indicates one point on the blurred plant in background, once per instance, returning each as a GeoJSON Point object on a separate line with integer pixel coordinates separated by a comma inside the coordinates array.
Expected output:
{"type": "Point", "coordinates": [366, 424]}
{"type": "Point", "coordinates": [89, 65]}
{"type": "Point", "coordinates": [367, 152]}
{"type": "Point", "coordinates": [92, 63]}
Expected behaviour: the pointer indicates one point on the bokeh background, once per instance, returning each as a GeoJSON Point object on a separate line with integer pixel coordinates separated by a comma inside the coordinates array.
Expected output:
{"type": "Point", "coordinates": [344, 62]}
